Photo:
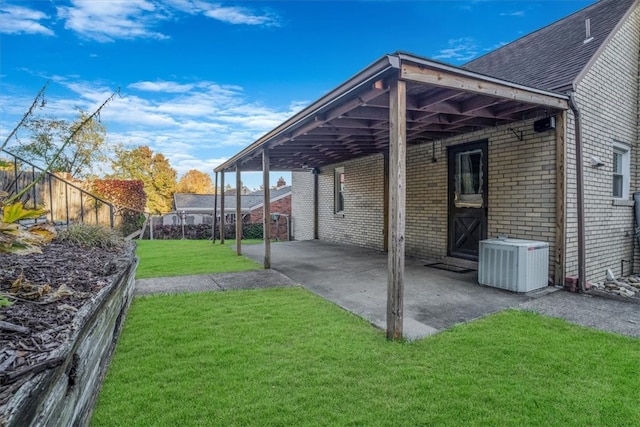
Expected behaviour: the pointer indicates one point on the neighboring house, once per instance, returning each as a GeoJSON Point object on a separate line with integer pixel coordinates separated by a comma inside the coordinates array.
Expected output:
{"type": "Point", "coordinates": [535, 140]}
{"type": "Point", "coordinates": [198, 209]}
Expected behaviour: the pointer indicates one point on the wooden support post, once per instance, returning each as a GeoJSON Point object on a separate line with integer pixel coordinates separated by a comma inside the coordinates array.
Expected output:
{"type": "Point", "coordinates": [215, 210]}
{"type": "Point", "coordinates": [266, 209]}
{"type": "Point", "coordinates": [397, 198]}
{"type": "Point", "coordinates": [238, 211]}
{"type": "Point", "coordinates": [561, 158]}
{"type": "Point", "coordinates": [223, 219]}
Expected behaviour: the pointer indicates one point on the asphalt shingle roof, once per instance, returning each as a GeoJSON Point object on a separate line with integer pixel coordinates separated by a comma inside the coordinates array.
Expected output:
{"type": "Point", "coordinates": [204, 202]}
{"type": "Point", "coordinates": [274, 193]}
{"type": "Point", "coordinates": [552, 57]}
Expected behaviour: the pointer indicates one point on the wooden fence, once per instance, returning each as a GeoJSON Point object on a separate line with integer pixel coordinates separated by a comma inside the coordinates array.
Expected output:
{"type": "Point", "coordinates": [65, 200]}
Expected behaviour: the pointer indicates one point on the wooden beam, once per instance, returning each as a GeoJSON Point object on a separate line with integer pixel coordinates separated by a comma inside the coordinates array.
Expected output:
{"type": "Point", "coordinates": [215, 210]}
{"type": "Point", "coordinates": [222, 212]}
{"type": "Point", "coordinates": [435, 97]}
{"type": "Point", "coordinates": [397, 201]}
{"type": "Point", "coordinates": [454, 81]}
{"type": "Point", "coordinates": [238, 211]}
{"type": "Point", "coordinates": [367, 113]}
{"type": "Point", "coordinates": [343, 125]}
{"type": "Point", "coordinates": [478, 104]}
{"type": "Point", "coordinates": [561, 170]}
{"type": "Point", "coordinates": [266, 209]}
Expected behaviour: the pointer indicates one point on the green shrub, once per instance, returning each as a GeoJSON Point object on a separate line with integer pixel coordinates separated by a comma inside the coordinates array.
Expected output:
{"type": "Point", "coordinates": [88, 235]}
{"type": "Point", "coordinates": [252, 231]}
{"type": "Point", "coordinates": [131, 221]}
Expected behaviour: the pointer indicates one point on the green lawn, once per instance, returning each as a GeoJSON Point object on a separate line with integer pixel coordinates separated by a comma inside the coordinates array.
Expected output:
{"type": "Point", "coordinates": [285, 357]}
{"type": "Point", "coordinates": [164, 258]}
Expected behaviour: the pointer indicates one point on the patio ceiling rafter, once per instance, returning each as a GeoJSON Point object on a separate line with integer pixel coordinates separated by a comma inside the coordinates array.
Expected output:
{"type": "Point", "coordinates": [353, 120]}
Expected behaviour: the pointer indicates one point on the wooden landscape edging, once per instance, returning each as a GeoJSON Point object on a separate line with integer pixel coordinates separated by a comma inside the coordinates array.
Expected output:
{"type": "Point", "coordinates": [65, 392]}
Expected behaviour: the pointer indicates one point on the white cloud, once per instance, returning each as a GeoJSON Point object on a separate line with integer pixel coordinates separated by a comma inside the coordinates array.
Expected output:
{"type": "Point", "coordinates": [198, 128]}
{"type": "Point", "coordinates": [207, 120]}
{"type": "Point", "coordinates": [240, 15]}
{"type": "Point", "coordinates": [517, 13]}
{"type": "Point", "coordinates": [105, 21]}
{"type": "Point", "coordinates": [161, 86]}
{"type": "Point", "coordinates": [459, 50]}
{"type": "Point", "coordinates": [21, 20]}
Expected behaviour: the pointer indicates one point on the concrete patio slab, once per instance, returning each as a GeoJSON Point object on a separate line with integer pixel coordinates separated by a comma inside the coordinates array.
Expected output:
{"type": "Point", "coordinates": [213, 282]}
{"type": "Point", "coordinates": [355, 278]}
{"type": "Point", "coordinates": [593, 311]}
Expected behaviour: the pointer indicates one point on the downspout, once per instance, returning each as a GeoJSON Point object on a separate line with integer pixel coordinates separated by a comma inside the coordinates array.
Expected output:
{"type": "Point", "coordinates": [316, 202]}
{"type": "Point", "coordinates": [582, 271]}
{"type": "Point", "coordinates": [636, 199]}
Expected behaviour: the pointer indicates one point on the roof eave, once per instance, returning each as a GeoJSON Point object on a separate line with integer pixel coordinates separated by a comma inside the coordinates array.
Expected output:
{"type": "Point", "coordinates": [427, 63]}
{"type": "Point", "coordinates": [369, 74]}
{"type": "Point", "coordinates": [411, 68]}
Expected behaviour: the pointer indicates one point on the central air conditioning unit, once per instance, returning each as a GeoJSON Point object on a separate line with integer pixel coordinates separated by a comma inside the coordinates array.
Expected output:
{"type": "Point", "coordinates": [513, 264]}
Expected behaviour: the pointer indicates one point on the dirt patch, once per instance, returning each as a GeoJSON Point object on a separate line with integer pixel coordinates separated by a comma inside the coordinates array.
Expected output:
{"type": "Point", "coordinates": [46, 291]}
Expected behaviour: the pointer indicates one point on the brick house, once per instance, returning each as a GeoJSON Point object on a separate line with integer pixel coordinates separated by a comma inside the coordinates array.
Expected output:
{"type": "Point", "coordinates": [198, 209]}
{"type": "Point", "coordinates": [535, 140]}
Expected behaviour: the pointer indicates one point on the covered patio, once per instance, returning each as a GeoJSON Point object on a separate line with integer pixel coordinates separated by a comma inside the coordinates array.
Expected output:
{"type": "Point", "coordinates": [398, 101]}
{"type": "Point", "coordinates": [355, 279]}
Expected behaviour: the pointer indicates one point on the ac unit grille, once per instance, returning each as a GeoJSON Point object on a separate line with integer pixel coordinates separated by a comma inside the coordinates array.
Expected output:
{"type": "Point", "coordinates": [513, 264]}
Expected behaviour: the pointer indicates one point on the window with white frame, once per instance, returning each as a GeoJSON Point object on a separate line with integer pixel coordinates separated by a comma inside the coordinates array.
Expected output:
{"type": "Point", "coordinates": [339, 190]}
{"type": "Point", "coordinates": [621, 170]}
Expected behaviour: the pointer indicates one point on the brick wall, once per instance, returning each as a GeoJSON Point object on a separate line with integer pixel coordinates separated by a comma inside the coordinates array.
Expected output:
{"type": "Point", "coordinates": [521, 194]}
{"type": "Point", "coordinates": [362, 222]}
{"type": "Point", "coordinates": [521, 189]}
{"type": "Point", "coordinates": [608, 100]}
{"type": "Point", "coordinates": [302, 205]}
{"type": "Point", "coordinates": [279, 227]}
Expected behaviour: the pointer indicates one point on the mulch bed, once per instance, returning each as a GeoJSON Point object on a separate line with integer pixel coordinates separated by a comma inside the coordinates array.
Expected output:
{"type": "Point", "coordinates": [46, 291]}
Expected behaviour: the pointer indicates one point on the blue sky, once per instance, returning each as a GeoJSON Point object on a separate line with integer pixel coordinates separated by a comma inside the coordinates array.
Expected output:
{"type": "Point", "coordinates": [200, 80]}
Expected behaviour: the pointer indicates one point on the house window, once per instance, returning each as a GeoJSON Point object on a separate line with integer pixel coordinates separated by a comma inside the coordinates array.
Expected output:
{"type": "Point", "coordinates": [339, 190]}
{"type": "Point", "coordinates": [621, 170]}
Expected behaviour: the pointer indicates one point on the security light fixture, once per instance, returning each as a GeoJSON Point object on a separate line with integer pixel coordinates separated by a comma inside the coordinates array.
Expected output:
{"type": "Point", "coordinates": [596, 162]}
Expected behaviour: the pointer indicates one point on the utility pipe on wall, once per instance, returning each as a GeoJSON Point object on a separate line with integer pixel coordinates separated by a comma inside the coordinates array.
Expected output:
{"type": "Point", "coordinates": [582, 271]}
{"type": "Point", "coordinates": [636, 199]}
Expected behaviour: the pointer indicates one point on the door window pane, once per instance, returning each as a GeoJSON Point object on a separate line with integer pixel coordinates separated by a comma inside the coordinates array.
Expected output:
{"type": "Point", "coordinates": [468, 179]}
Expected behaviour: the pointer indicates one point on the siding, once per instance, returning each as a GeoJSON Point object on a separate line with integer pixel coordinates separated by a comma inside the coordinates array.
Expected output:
{"type": "Point", "coordinates": [608, 100]}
